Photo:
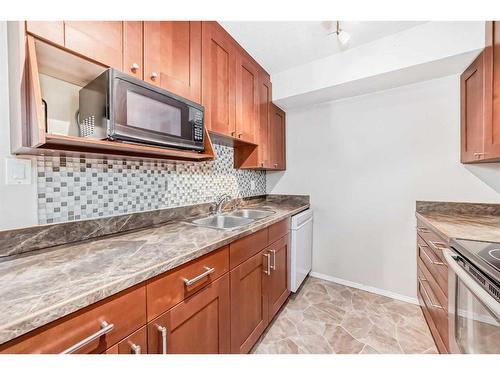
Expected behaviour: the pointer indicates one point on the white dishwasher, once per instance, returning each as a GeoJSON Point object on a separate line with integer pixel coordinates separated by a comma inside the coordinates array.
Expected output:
{"type": "Point", "coordinates": [301, 248]}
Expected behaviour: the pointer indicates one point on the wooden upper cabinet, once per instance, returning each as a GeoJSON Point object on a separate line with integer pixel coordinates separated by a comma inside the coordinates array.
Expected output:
{"type": "Point", "coordinates": [198, 325]}
{"type": "Point", "coordinates": [218, 79]}
{"type": "Point", "coordinates": [98, 40]}
{"type": "Point", "coordinates": [480, 102]}
{"type": "Point", "coordinates": [277, 140]}
{"type": "Point", "coordinates": [52, 31]}
{"type": "Point", "coordinates": [265, 103]}
{"type": "Point", "coordinates": [472, 111]}
{"type": "Point", "coordinates": [132, 48]}
{"type": "Point", "coordinates": [247, 98]}
{"type": "Point", "coordinates": [172, 56]}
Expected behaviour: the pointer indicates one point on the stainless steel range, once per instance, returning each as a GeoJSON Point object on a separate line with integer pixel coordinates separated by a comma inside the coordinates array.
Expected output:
{"type": "Point", "coordinates": [474, 296]}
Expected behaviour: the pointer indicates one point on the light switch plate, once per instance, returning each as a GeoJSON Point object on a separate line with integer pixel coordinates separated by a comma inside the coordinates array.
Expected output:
{"type": "Point", "coordinates": [17, 171]}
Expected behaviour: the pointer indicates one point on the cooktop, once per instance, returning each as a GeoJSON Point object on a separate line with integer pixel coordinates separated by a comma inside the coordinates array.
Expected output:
{"type": "Point", "coordinates": [484, 255]}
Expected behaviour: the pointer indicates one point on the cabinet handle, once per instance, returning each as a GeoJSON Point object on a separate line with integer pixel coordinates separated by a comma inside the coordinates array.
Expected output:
{"type": "Point", "coordinates": [262, 165]}
{"type": "Point", "coordinates": [437, 245]}
{"type": "Point", "coordinates": [154, 75]}
{"type": "Point", "coordinates": [208, 271]}
{"type": "Point", "coordinates": [420, 281]}
{"type": "Point", "coordinates": [429, 258]}
{"type": "Point", "coordinates": [134, 67]}
{"type": "Point", "coordinates": [478, 155]}
{"type": "Point", "coordinates": [163, 331]}
{"type": "Point", "coordinates": [422, 230]}
{"type": "Point", "coordinates": [136, 349]}
{"type": "Point", "coordinates": [273, 267]}
{"type": "Point", "coordinates": [275, 165]}
{"type": "Point", "coordinates": [233, 134]}
{"type": "Point", "coordinates": [105, 328]}
{"type": "Point", "coordinates": [239, 135]}
{"type": "Point", "coordinates": [268, 272]}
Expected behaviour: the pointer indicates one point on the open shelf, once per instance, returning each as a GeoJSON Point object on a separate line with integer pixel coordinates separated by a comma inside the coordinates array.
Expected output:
{"type": "Point", "coordinates": [44, 58]}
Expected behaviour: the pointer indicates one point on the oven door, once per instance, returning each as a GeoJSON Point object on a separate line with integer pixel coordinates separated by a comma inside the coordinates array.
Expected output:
{"type": "Point", "coordinates": [144, 115]}
{"type": "Point", "coordinates": [474, 315]}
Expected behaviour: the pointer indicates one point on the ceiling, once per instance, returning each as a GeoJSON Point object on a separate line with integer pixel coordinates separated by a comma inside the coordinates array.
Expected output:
{"type": "Point", "coordinates": [280, 45]}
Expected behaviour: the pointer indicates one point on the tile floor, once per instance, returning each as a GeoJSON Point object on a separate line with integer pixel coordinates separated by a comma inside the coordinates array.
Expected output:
{"type": "Point", "coordinates": [325, 317]}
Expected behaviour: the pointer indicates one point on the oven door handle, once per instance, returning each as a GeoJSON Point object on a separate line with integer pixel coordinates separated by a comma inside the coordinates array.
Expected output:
{"type": "Point", "coordinates": [470, 283]}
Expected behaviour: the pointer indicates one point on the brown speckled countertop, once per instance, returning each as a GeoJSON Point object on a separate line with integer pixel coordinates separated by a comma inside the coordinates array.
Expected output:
{"type": "Point", "coordinates": [480, 222]}
{"type": "Point", "coordinates": [42, 286]}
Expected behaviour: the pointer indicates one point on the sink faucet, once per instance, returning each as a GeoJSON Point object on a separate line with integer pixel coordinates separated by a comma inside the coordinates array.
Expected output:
{"type": "Point", "coordinates": [220, 200]}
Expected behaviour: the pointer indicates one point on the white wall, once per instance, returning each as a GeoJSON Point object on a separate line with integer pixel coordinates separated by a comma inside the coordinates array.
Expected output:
{"type": "Point", "coordinates": [365, 161]}
{"type": "Point", "coordinates": [18, 206]}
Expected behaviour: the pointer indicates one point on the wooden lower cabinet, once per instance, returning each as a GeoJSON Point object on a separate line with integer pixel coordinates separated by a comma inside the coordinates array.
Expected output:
{"type": "Point", "coordinates": [259, 287]}
{"type": "Point", "coordinates": [136, 343]}
{"type": "Point", "coordinates": [249, 303]}
{"type": "Point", "coordinates": [197, 325]}
{"type": "Point", "coordinates": [277, 290]}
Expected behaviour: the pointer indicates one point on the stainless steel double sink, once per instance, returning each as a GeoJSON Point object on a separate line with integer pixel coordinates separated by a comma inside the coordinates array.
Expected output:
{"type": "Point", "coordinates": [233, 219]}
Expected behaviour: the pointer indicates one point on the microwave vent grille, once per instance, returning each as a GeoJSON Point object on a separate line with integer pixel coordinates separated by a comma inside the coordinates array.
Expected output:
{"type": "Point", "coordinates": [87, 127]}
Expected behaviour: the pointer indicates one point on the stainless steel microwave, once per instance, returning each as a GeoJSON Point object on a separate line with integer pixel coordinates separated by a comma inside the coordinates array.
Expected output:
{"type": "Point", "coordinates": [118, 107]}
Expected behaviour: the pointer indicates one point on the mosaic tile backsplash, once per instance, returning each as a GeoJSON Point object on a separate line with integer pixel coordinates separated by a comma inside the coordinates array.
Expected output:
{"type": "Point", "coordinates": [74, 188]}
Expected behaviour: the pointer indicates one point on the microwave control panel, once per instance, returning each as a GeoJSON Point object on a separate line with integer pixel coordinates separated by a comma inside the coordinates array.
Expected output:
{"type": "Point", "coordinates": [197, 121]}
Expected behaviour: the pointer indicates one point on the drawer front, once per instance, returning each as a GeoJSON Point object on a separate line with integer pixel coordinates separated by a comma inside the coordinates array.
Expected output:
{"type": "Point", "coordinates": [72, 329]}
{"type": "Point", "coordinates": [165, 291]}
{"type": "Point", "coordinates": [248, 246]}
{"type": "Point", "coordinates": [436, 242]}
{"type": "Point", "coordinates": [437, 267]}
{"type": "Point", "coordinates": [136, 343]}
{"type": "Point", "coordinates": [435, 301]}
{"type": "Point", "coordinates": [278, 230]}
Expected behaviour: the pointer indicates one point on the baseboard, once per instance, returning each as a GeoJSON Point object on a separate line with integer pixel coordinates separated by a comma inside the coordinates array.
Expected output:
{"type": "Point", "coordinates": [367, 288]}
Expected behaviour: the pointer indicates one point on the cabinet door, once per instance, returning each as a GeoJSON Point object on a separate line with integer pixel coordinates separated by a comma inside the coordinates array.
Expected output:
{"type": "Point", "coordinates": [265, 103]}
{"type": "Point", "coordinates": [278, 280]}
{"type": "Point", "coordinates": [136, 343]}
{"type": "Point", "coordinates": [98, 40]}
{"type": "Point", "coordinates": [172, 56]}
{"type": "Point", "coordinates": [132, 48]}
{"type": "Point", "coordinates": [472, 111]}
{"type": "Point", "coordinates": [198, 325]}
{"type": "Point", "coordinates": [492, 91]}
{"type": "Point", "coordinates": [218, 79]}
{"type": "Point", "coordinates": [52, 31]}
{"type": "Point", "coordinates": [249, 302]}
{"type": "Point", "coordinates": [247, 98]}
{"type": "Point", "coordinates": [277, 139]}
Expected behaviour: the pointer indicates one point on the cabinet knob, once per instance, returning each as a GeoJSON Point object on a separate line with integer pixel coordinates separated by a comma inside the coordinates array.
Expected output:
{"type": "Point", "coordinates": [134, 67]}
{"type": "Point", "coordinates": [275, 165]}
{"type": "Point", "coordinates": [233, 134]}
{"type": "Point", "coordinates": [136, 349]}
{"type": "Point", "coordinates": [478, 155]}
{"type": "Point", "coordinates": [239, 135]}
{"type": "Point", "coordinates": [154, 75]}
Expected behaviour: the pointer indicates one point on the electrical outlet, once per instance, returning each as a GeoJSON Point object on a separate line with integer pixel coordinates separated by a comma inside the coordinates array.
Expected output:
{"type": "Point", "coordinates": [17, 171]}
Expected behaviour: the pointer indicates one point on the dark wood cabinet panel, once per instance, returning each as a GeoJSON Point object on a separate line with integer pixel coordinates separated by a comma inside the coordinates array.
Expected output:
{"type": "Point", "coordinates": [132, 48]}
{"type": "Point", "coordinates": [99, 40]}
{"type": "Point", "coordinates": [278, 291]}
{"type": "Point", "coordinates": [172, 56]}
{"type": "Point", "coordinates": [53, 31]}
{"type": "Point", "coordinates": [198, 325]}
{"type": "Point", "coordinates": [218, 79]}
{"type": "Point", "coordinates": [247, 98]}
{"type": "Point", "coordinates": [249, 302]}
{"type": "Point", "coordinates": [277, 139]}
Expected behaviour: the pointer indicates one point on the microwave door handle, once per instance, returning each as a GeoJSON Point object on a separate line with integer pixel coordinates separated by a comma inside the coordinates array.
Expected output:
{"type": "Point", "coordinates": [470, 283]}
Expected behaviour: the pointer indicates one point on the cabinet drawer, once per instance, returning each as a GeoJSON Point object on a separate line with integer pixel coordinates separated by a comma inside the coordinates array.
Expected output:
{"type": "Point", "coordinates": [434, 300]}
{"type": "Point", "coordinates": [136, 343]}
{"type": "Point", "coordinates": [436, 242]}
{"type": "Point", "coordinates": [434, 264]}
{"type": "Point", "coordinates": [125, 310]}
{"type": "Point", "coordinates": [165, 291]}
{"type": "Point", "coordinates": [246, 247]}
{"type": "Point", "coordinates": [278, 230]}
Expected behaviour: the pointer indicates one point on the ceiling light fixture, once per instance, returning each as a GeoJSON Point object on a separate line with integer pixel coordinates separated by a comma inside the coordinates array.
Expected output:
{"type": "Point", "coordinates": [342, 36]}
